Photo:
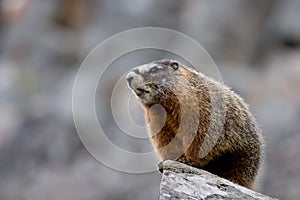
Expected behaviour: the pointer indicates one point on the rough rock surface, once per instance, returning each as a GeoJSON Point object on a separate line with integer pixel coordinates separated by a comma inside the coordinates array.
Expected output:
{"type": "Point", "coordinates": [180, 181]}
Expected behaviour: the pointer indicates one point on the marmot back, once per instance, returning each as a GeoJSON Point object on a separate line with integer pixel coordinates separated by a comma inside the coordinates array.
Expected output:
{"type": "Point", "coordinates": [199, 122]}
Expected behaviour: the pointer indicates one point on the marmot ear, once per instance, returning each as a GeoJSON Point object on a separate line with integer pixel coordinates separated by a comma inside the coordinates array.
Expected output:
{"type": "Point", "coordinates": [174, 65]}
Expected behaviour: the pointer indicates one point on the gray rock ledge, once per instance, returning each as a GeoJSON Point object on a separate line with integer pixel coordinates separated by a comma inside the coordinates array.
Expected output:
{"type": "Point", "coordinates": [180, 181]}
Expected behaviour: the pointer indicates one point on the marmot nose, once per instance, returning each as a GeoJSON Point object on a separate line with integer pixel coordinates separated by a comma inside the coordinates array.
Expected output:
{"type": "Point", "coordinates": [129, 78]}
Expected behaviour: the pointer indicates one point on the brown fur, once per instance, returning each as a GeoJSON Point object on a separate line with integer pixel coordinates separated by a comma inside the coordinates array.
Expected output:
{"type": "Point", "coordinates": [233, 152]}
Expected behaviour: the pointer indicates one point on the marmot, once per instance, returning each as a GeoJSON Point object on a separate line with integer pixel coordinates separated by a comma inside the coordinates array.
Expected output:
{"type": "Point", "coordinates": [199, 122]}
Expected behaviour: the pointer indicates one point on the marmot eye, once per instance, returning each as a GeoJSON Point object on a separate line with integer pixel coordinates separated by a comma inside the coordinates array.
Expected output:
{"type": "Point", "coordinates": [153, 70]}
{"type": "Point", "coordinates": [174, 65]}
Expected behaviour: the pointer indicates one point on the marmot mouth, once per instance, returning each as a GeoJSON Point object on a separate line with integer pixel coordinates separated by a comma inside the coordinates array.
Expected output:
{"type": "Point", "coordinates": [140, 91]}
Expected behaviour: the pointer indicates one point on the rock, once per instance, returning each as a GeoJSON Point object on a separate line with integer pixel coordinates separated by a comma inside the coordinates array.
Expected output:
{"type": "Point", "coordinates": [180, 181]}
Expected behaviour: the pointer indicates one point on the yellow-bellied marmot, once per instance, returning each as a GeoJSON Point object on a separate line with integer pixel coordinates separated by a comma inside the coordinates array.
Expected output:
{"type": "Point", "coordinates": [198, 121]}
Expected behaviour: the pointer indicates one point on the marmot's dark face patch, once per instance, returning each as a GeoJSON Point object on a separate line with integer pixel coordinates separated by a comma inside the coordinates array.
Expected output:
{"type": "Point", "coordinates": [150, 81]}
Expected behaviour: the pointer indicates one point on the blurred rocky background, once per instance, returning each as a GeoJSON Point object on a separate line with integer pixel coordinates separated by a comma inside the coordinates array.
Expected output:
{"type": "Point", "coordinates": [256, 45]}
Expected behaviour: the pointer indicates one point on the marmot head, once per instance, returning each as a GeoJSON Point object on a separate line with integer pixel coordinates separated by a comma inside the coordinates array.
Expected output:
{"type": "Point", "coordinates": [155, 81]}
